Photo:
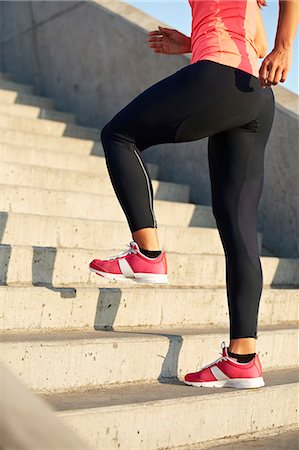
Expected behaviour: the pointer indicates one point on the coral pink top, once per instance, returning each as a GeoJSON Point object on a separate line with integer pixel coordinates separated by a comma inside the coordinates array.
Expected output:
{"type": "Point", "coordinates": [224, 31]}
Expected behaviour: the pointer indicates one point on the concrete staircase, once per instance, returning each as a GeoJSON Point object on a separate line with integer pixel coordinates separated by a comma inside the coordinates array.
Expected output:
{"type": "Point", "coordinates": [109, 356]}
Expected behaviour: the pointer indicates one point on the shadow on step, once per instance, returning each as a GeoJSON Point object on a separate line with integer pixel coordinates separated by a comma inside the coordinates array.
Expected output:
{"type": "Point", "coordinates": [43, 262]}
{"type": "Point", "coordinates": [286, 274]}
{"type": "Point", "coordinates": [108, 304]}
{"type": "Point", "coordinates": [5, 254]}
{"type": "Point", "coordinates": [169, 369]}
{"type": "Point", "coordinates": [110, 300]}
{"type": "Point", "coordinates": [3, 222]}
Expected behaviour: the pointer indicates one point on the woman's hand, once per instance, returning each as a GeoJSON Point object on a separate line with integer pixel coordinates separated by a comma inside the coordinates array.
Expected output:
{"type": "Point", "coordinates": [275, 66]}
{"type": "Point", "coordinates": [169, 41]}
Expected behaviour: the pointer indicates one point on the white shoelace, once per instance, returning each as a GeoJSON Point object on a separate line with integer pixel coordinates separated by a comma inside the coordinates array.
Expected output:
{"type": "Point", "coordinates": [124, 252]}
{"type": "Point", "coordinates": [222, 358]}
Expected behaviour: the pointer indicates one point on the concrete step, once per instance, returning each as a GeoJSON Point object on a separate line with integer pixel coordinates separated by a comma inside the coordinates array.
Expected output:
{"type": "Point", "coordinates": [17, 87]}
{"type": "Point", "coordinates": [61, 160]}
{"type": "Point", "coordinates": [40, 308]}
{"type": "Point", "coordinates": [49, 127]}
{"type": "Point", "coordinates": [79, 181]}
{"type": "Point", "coordinates": [75, 146]}
{"type": "Point", "coordinates": [49, 231]}
{"type": "Point", "coordinates": [4, 76]}
{"type": "Point", "coordinates": [283, 440]}
{"type": "Point", "coordinates": [50, 202]}
{"type": "Point", "coordinates": [12, 96]}
{"type": "Point", "coordinates": [33, 112]}
{"type": "Point", "coordinates": [124, 417]}
{"type": "Point", "coordinates": [94, 358]}
{"type": "Point", "coordinates": [67, 267]}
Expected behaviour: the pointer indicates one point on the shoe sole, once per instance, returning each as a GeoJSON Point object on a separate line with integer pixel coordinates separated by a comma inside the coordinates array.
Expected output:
{"type": "Point", "coordinates": [238, 383]}
{"type": "Point", "coordinates": [139, 277]}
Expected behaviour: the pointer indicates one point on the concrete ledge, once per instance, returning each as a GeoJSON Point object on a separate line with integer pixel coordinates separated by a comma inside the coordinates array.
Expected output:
{"type": "Point", "coordinates": [38, 142]}
{"type": "Point", "coordinates": [8, 97]}
{"type": "Point", "coordinates": [80, 181]}
{"type": "Point", "coordinates": [60, 160]}
{"type": "Point", "coordinates": [35, 230]}
{"type": "Point", "coordinates": [67, 267]}
{"type": "Point", "coordinates": [34, 112]}
{"type": "Point", "coordinates": [50, 202]}
{"type": "Point", "coordinates": [142, 408]}
{"type": "Point", "coordinates": [90, 359]}
{"type": "Point", "coordinates": [27, 309]}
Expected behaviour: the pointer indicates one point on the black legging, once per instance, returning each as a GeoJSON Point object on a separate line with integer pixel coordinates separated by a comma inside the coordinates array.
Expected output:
{"type": "Point", "coordinates": [228, 105]}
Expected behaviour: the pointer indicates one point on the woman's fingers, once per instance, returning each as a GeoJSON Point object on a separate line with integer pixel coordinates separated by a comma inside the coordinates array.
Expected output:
{"type": "Point", "coordinates": [154, 32]}
{"type": "Point", "coordinates": [284, 75]}
{"type": "Point", "coordinates": [272, 74]}
{"type": "Point", "coordinates": [155, 42]}
{"type": "Point", "coordinates": [263, 72]}
{"type": "Point", "coordinates": [156, 45]}
{"type": "Point", "coordinates": [275, 67]}
{"type": "Point", "coordinates": [166, 30]}
{"type": "Point", "coordinates": [155, 39]}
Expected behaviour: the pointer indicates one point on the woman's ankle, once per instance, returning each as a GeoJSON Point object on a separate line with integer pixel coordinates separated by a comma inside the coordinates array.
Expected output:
{"type": "Point", "coordinates": [147, 239]}
{"type": "Point", "coordinates": [242, 346]}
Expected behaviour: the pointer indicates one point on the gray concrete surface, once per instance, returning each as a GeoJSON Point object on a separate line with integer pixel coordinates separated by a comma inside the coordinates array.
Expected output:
{"type": "Point", "coordinates": [284, 441]}
{"type": "Point", "coordinates": [92, 67]}
{"type": "Point", "coordinates": [136, 406]}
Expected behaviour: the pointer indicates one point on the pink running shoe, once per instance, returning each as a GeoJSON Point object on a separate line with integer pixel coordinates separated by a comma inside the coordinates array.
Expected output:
{"type": "Point", "coordinates": [227, 372]}
{"type": "Point", "coordinates": [132, 264]}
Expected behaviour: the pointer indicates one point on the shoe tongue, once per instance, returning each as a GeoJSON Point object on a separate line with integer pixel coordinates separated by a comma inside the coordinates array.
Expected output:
{"type": "Point", "coordinates": [134, 245]}
{"type": "Point", "coordinates": [224, 351]}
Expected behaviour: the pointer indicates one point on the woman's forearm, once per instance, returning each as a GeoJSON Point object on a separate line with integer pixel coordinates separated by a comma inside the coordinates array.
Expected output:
{"type": "Point", "coordinates": [275, 67]}
{"type": "Point", "coordinates": [287, 23]}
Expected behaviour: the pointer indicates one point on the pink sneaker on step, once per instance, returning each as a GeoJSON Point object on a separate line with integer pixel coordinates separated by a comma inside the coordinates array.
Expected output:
{"type": "Point", "coordinates": [227, 372]}
{"type": "Point", "coordinates": [132, 264]}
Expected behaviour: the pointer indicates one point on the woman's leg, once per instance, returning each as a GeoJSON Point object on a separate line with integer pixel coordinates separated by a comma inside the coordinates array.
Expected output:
{"type": "Point", "coordinates": [203, 99]}
{"type": "Point", "coordinates": [188, 105]}
{"type": "Point", "coordinates": [236, 162]}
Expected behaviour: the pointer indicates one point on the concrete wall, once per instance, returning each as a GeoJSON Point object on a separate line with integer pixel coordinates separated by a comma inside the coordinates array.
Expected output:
{"type": "Point", "coordinates": [92, 58]}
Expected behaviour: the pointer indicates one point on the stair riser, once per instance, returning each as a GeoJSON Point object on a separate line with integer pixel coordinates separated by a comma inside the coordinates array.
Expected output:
{"type": "Point", "coordinates": [33, 112]}
{"type": "Point", "coordinates": [47, 178]}
{"type": "Point", "coordinates": [42, 309]}
{"type": "Point", "coordinates": [75, 146]}
{"type": "Point", "coordinates": [16, 87]}
{"type": "Point", "coordinates": [93, 362]}
{"type": "Point", "coordinates": [97, 207]}
{"type": "Point", "coordinates": [69, 268]}
{"type": "Point", "coordinates": [48, 127]}
{"type": "Point", "coordinates": [46, 231]}
{"type": "Point", "coordinates": [13, 97]}
{"type": "Point", "coordinates": [49, 159]}
{"type": "Point", "coordinates": [131, 426]}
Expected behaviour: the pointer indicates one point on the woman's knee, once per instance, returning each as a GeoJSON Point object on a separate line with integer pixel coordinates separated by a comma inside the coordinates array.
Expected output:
{"type": "Point", "coordinates": [116, 131]}
{"type": "Point", "coordinates": [107, 134]}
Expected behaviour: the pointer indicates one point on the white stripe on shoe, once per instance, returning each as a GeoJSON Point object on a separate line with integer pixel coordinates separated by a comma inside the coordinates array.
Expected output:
{"type": "Point", "coordinates": [218, 374]}
{"type": "Point", "coordinates": [125, 268]}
